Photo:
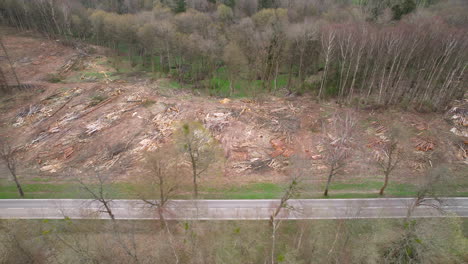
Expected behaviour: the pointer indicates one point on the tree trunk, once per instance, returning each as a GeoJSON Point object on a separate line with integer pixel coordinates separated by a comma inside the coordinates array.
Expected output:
{"type": "Point", "coordinates": [273, 241]}
{"type": "Point", "coordinates": [129, 57]}
{"type": "Point", "coordinates": [301, 58]}
{"type": "Point", "coordinates": [12, 168]}
{"type": "Point", "coordinates": [328, 51]}
{"type": "Point", "coordinates": [161, 215]}
{"type": "Point", "coordinates": [109, 211]}
{"type": "Point", "coordinates": [18, 186]}
{"type": "Point", "coordinates": [195, 187]}
{"type": "Point", "coordinates": [385, 185]}
{"type": "Point", "coordinates": [168, 57]}
{"type": "Point", "coordinates": [328, 183]}
{"type": "Point", "coordinates": [276, 76]}
{"type": "Point", "coordinates": [166, 226]}
{"type": "Point", "coordinates": [3, 80]}
{"type": "Point", "coordinates": [288, 86]}
{"type": "Point", "coordinates": [10, 63]}
{"type": "Point", "coordinates": [324, 77]}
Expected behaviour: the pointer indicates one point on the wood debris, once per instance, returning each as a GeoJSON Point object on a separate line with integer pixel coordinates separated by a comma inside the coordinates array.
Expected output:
{"type": "Point", "coordinates": [420, 126]}
{"type": "Point", "coordinates": [68, 152]}
{"type": "Point", "coordinates": [424, 145]}
{"type": "Point", "coordinates": [317, 157]}
{"type": "Point", "coordinates": [216, 122]}
{"type": "Point", "coordinates": [376, 143]}
{"type": "Point", "coordinates": [280, 148]}
{"type": "Point", "coordinates": [225, 101]}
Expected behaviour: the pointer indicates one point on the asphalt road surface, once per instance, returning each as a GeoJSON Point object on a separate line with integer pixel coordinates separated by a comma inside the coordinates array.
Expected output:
{"type": "Point", "coordinates": [231, 209]}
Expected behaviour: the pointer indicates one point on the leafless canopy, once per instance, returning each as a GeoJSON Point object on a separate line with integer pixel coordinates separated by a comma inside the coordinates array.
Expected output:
{"type": "Point", "coordinates": [98, 189]}
{"type": "Point", "coordinates": [162, 178]}
{"type": "Point", "coordinates": [199, 147]}
{"type": "Point", "coordinates": [337, 143]}
{"type": "Point", "coordinates": [8, 155]}
{"type": "Point", "coordinates": [388, 157]}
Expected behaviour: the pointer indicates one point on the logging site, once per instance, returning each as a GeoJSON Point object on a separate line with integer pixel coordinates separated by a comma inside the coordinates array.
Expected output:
{"type": "Point", "coordinates": [157, 131]}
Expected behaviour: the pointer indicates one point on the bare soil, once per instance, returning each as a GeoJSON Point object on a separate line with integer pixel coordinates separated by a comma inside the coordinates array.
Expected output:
{"type": "Point", "coordinates": [106, 122]}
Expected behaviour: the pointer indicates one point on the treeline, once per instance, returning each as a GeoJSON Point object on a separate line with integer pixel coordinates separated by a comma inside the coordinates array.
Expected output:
{"type": "Point", "coordinates": [363, 52]}
{"type": "Point", "coordinates": [389, 241]}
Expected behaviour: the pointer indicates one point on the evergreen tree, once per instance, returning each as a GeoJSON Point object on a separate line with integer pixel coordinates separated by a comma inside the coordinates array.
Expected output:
{"type": "Point", "coordinates": [408, 6]}
{"type": "Point", "coordinates": [399, 10]}
{"type": "Point", "coordinates": [180, 6]}
{"type": "Point", "coordinates": [266, 4]}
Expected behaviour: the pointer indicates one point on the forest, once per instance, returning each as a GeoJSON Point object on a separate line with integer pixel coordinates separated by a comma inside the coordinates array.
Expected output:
{"type": "Point", "coordinates": [410, 53]}
{"type": "Point", "coordinates": [155, 101]}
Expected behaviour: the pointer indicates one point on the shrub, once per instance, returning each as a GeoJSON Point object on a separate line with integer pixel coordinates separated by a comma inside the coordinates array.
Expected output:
{"type": "Point", "coordinates": [53, 78]}
{"type": "Point", "coordinates": [96, 99]}
{"type": "Point", "coordinates": [148, 103]}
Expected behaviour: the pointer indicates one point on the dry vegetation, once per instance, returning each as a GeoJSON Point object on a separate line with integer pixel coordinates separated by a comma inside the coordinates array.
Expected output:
{"type": "Point", "coordinates": [334, 241]}
{"type": "Point", "coordinates": [108, 122]}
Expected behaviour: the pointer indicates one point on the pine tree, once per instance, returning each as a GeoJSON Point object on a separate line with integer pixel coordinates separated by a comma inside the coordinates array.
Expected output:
{"type": "Point", "coordinates": [266, 4]}
{"type": "Point", "coordinates": [180, 6]}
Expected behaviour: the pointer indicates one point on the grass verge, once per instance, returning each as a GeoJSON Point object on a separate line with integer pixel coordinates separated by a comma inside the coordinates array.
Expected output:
{"type": "Point", "coordinates": [368, 189]}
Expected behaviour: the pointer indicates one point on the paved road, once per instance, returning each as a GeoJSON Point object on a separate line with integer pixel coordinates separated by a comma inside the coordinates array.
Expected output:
{"type": "Point", "coordinates": [229, 209]}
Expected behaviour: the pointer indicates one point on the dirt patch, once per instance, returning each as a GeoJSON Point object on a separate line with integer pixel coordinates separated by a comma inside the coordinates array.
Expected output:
{"type": "Point", "coordinates": [106, 123]}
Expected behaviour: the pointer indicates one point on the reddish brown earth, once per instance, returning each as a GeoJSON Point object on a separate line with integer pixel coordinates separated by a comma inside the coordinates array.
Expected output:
{"type": "Point", "coordinates": [108, 124]}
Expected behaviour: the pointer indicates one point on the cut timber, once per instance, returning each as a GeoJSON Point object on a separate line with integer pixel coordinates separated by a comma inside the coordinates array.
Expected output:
{"type": "Point", "coordinates": [424, 145]}
{"type": "Point", "coordinates": [61, 107]}
{"type": "Point", "coordinates": [101, 104]}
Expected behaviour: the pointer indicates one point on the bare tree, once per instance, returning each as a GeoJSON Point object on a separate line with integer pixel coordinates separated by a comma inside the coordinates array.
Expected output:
{"type": "Point", "coordinates": [162, 178]}
{"type": "Point", "coordinates": [3, 81]}
{"type": "Point", "coordinates": [9, 62]}
{"type": "Point", "coordinates": [236, 62]}
{"type": "Point", "coordinates": [408, 249]}
{"type": "Point", "coordinates": [336, 144]}
{"type": "Point", "coordinates": [328, 43]}
{"type": "Point", "coordinates": [16, 238]}
{"type": "Point", "coordinates": [160, 183]}
{"type": "Point", "coordinates": [430, 191]}
{"type": "Point", "coordinates": [199, 146]}
{"type": "Point", "coordinates": [8, 155]}
{"type": "Point", "coordinates": [293, 189]}
{"type": "Point", "coordinates": [388, 158]}
{"type": "Point", "coordinates": [98, 191]}
{"type": "Point", "coordinates": [126, 242]}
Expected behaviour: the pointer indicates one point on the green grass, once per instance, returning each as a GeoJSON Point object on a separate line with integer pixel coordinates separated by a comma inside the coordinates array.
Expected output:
{"type": "Point", "coordinates": [62, 191]}
{"type": "Point", "coordinates": [53, 78]}
{"type": "Point", "coordinates": [218, 85]}
{"type": "Point", "coordinates": [169, 85]}
{"type": "Point", "coordinates": [91, 76]}
{"type": "Point", "coordinates": [367, 189]}
{"type": "Point", "coordinates": [175, 85]}
{"type": "Point", "coordinates": [397, 189]}
{"type": "Point", "coordinates": [96, 99]}
{"type": "Point", "coordinates": [148, 103]}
